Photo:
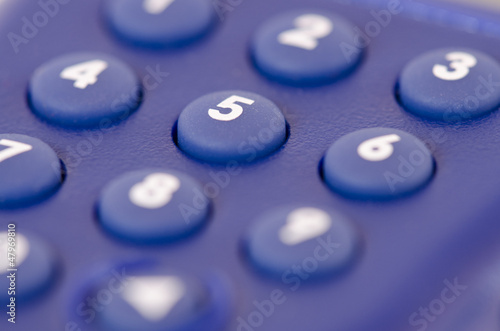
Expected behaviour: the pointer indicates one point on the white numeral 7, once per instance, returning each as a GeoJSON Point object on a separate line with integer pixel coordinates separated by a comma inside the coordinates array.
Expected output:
{"type": "Point", "coordinates": [156, 7]}
{"type": "Point", "coordinates": [230, 103]}
{"type": "Point", "coordinates": [85, 73]}
{"type": "Point", "coordinates": [379, 148]}
{"type": "Point", "coordinates": [15, 148]}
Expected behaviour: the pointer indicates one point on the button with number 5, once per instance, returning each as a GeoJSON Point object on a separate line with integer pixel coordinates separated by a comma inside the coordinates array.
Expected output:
{"type": "Point", "coordinates": [306, 47]}
{"type": "Point", "coordinates": [377, 164]}
{"type": "Point", "coordinates": [153, 206]}
{"type": "Point", "coordinates": [451, 85]}
{"type": "Point", "coordinates": [29, 170]}
{"type": "Point", "coordinates": [231, 126]}
{"type": "Point", "coordinates": [84, 89]}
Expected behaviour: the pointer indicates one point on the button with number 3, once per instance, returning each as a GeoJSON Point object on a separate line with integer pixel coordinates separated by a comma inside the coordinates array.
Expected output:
{"type": "Point", "coordinates": [229, 126]}
{"type": "Point", "coordinates": [377, 164]}
{"type": "Point", "coordinates": [153, 206]}
{"type": "Point", "coordinates": [451, 85]}
{"type": "Point", "coordinates": [306, 47]}
{"type": "Point", "coordinates": [29, 170]}
{"type": "Point", "coordinates": [84, 89]}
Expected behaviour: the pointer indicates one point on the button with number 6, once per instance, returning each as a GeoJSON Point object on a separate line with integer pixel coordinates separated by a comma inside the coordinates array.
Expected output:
{"type": "Point", "coordinates": [153, 206]}
{"type": "Point", "coordinates": [231, 126]}
{"type": "Point", "coordinates": [451, 85]}
{"type": "Point", "coordinates": [377, 164]}
{"type": "Point", "coordinates": [84, 89]}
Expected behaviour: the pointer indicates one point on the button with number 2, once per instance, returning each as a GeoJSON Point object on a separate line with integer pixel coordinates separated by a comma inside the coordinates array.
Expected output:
{"type": "Point", "coordinates": [153, 206]}
{"type": "Point", "coordinates": [377, 164]}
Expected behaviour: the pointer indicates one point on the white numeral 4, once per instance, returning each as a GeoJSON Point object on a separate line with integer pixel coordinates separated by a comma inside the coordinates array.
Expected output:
{"type": "Point", "coordinates": [378, 149]}
{"type": "Point", "coordinates": [461, 63]}
{"type": "Point", "coordinates": [155, 191]}
{"type": "Point", "coordinates": [230, 103]}
{"type": "Point", "coordinates": [15, 148]}
{"type": "Point", "coordinates": [309, 29]}
{"type": "Point", "coordinates": [84, 74]}
{"type": "Point", "coordinates": [156, 7]}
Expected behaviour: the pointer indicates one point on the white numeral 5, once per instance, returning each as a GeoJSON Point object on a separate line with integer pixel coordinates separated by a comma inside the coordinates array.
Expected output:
{"type": "Point", "coordinates": [461, 63]}
{"type": "Point", "coordinates": [155, 191]}
{"type": "Point", "coordinates": [378, 149]}
{"type": "Point", "coordinates": [16, 148]}
{"type": "Point", "coordinates": [230, 103]}
{"type": "Point", "coordinates": [84, 74]}
{"type": "Point", "coordinates": [156, 7]}
{"type": "Point", "coordinates": [309, 29]}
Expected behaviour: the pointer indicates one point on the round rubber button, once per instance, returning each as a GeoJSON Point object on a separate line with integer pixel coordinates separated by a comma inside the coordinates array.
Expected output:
{"type": "Point", "coordinates": [29, 170]}
{"type": "Point", "coordinates": [377, 163]}
{"type": "Point", "coordinates": [160, 23]}
{"type": "Point", "coordinates": [306, 47]}
{"type": "Point", "coordinates": [84, 89]}
{"type": "Point", "coordinates": [296, 244]}
{"type": "Point", "coordinates": [451, 85]}
{"type": "Point", "coordinates": [35, 263]}
{"type": "Point", "coordinates": [153, 206]}
{"type": "Point", "coordinates": [231, 126]}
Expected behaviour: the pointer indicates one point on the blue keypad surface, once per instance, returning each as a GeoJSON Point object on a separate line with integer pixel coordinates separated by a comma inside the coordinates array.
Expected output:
{"type": "Point", "coordinates": [30, 170]}
{"type": "Point", "coordinates": [451, 85]}
{"type": "Point", "coordinates": [377, 163]}
{"type": "Point", "coordinates": [153, 206]}
{"type": "Point", "coordinates": [305, 47]}
{"type": "Point", "coordinates": [84, 89]}
{"type": "Point", "coordinates": [231, 126]}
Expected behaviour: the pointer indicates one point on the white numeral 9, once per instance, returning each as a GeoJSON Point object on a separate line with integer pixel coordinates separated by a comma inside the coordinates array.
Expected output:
{"type": "Point", "coordinates": [309, 29]}
{"type": "Point", "coordinates": [84, 74]}
{"type": "Point", "coordinates": [230, 103]}
{"type": "Point", "coordinates": [461, 63]}
{"type": "Point", "coordinates": [15, 148]}
{"type": "Point", "coordinates": [378, 149]}
{"type": "Point", "coordinates": [155, 191]}
{"type": "Point", "coordinates": [156, 7]}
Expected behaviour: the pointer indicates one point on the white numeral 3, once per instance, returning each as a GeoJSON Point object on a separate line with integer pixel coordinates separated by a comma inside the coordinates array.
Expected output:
{"type": "Point", "coordinates": [461, 63]}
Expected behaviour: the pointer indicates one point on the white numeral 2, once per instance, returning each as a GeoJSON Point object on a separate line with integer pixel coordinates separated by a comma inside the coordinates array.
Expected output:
{"type": "Point", "coordinates": [230, 103]}
{"type": "Point", "coordinates": [378, 149]}
{"type": "Point", "coordinates": [156, 7]}
{"type": "Point", "coordinates": [84, 74]}
{"type": "Point", "coordinates": [16, 148]}
{"type": "Point", "coordinates": [461, 63]}
{"type": "Point", "coordinates": [309, 29]}
{"type": "Point", "coordinates": [155, 191]}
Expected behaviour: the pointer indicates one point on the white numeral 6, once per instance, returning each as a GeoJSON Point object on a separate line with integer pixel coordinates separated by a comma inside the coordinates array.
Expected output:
{"type": "Point", "coordinates": [155, 191]}
{"type": "Point", "coordinates": [461, 63]}
{"type": "Point", "coordinates": [379, 148]}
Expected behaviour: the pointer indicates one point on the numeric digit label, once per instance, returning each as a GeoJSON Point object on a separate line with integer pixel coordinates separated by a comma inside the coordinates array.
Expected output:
{"type": "Point", "coordinates": [230, 103]}
{"type": "Point", "coordinates": [379, 148]}
{"type": "Point", "coordinates": [461, 63]}
{"type": "Point", "coordinates": [309, 29]}
{"type": "Point", "coordinates": [155, 191]}
{"type": "Point", "coordinates": [14, 148]}
{"type": "Point", "coordinates": [156, 7]}
{"type": "Point", "coordinates": [84, 74]}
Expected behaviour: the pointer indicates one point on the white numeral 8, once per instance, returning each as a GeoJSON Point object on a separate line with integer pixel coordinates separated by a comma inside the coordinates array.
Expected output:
{"type": "Point", "coordinates": [378, 149]}
{"type": "Point", "coordinates": [461, 63]}
{"type": "Point", "coordinates": [155, 191]}
{"type": "Point", "coordinates": [309, 29]}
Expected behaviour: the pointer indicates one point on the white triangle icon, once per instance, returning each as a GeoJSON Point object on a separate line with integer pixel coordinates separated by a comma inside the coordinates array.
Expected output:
{"type": "Point", "coordinates": [154, 297]}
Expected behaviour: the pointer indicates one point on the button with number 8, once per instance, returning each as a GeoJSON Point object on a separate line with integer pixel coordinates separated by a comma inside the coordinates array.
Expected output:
{"type": "Point", "coordinates": [84, 89]}
{"type": "Point", "coordinates": [377, 164]}
{"type": "Point", "coordinates": [153, 206]}
{"type": "Point", "coordinates": [451, 85]}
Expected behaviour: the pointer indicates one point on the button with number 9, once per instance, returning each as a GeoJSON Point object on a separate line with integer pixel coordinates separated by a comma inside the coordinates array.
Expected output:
{"type": "Point", "coordinates": [451, 85]}
{"type": "Point", "coordinates": [377, 164]}
{"type": "Point", "coordinates": [83, 90]}
{"type": "Point", "coordinates": [153, 206]}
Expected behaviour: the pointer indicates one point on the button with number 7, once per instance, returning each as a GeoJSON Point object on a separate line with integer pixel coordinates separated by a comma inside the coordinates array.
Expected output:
{"type": "Point", "coordinates": [377, 164]}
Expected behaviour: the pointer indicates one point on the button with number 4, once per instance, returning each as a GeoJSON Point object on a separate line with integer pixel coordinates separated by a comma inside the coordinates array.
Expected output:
{"type": "Point", "coordinates": [29, 170]}
{"type": "Point", "coordinates": [84, 89]}
{"type": "Point", "coordinates": [231, 126]}
{"type": "Point", "coordinates": [306, 47]}
{"type": "Point", "coordinates": [377, 163]}
{"type": "Point", "coordinates": [451, 85]}
{"type": "Point", "coordinates": [153, 206]}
